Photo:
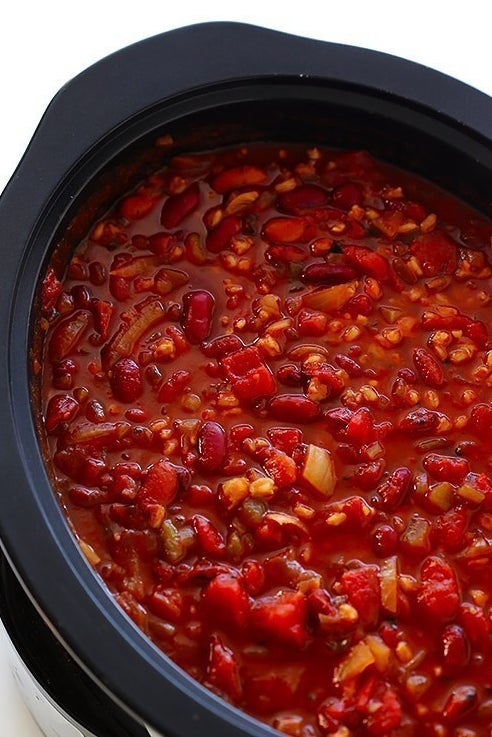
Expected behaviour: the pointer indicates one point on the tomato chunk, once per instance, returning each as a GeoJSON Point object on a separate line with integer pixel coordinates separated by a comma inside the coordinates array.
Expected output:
{"type": "Point", "coordinates": [250, 377]}
{"type": "Point", "coordinates": [281, 618]}
{"type": "Point", "coordinates": [438, 595]}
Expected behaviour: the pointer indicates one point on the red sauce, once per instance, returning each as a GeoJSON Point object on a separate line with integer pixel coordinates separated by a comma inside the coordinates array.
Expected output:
{"type": "Point", "coordinates": [267, 391]}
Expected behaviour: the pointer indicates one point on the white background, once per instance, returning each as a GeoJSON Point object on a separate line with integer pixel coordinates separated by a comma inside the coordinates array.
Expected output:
{"type": "Point", "coordinates": [43, 44]}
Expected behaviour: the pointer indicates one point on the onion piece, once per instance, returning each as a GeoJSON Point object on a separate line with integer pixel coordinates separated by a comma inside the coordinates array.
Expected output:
{"type": "Point", "coordinates": [319, 470]}
{"type": "Point", "coordinates": [330, 299]}
{"type": "Point", "coordinates": [121, 345]}
{"type": "Point", "coordinates": [358, 659]}
{"type": "Point", "coordinates": [388, 580]}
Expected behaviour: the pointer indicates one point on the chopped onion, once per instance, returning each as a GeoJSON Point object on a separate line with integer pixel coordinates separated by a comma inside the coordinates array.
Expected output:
{"type": "Point", "coordinates": [319, 470]}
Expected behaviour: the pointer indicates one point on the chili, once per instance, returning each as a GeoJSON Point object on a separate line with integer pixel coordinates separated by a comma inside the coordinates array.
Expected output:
{"type": "Point", "coordinates": [267, 388]}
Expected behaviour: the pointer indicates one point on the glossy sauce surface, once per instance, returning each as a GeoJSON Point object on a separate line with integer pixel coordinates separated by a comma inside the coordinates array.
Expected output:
{"type": "Point", "coordinates": [266, 388]}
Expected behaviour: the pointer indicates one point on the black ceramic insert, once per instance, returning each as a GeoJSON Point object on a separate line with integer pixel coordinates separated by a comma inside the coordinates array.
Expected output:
{"type": "Point", "coordinates": [207, 85]}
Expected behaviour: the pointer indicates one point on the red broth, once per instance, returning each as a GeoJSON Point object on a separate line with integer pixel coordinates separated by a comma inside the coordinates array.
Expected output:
{"type": "Point", "coordinates": [267, 392]}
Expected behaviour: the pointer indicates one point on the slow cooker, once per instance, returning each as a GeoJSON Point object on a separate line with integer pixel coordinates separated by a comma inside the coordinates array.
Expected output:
{"type": "Point", "coordinates": [83, 667]}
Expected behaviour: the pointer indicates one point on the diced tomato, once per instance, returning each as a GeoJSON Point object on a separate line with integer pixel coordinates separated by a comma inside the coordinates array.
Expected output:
{"type": "Point", "coordinates": [253, 575]}
{"type": "Point", "coordinates": [167, 604]}
{"type": "Point", "coordinates": [267, 691]}
{"type": "Point", "coordinates": [368, 262]}
{"type": "Point", "coordinates": [249, 375]}
{"type": "Point", "coordinates": [450, 528]}
{"type": "Point", "coordinates": [281, 618]}
{"type": "Point", "coordinates": [211, 540]}
{"type": "Point", "coordinates": [362, 588]}
{"type": "Point", "coordinates": [312, 323]}
{"type": "Point", "coordinates": [385, 713]}
{"type": "Point", "coordinates": [223, 670]}
{"type": "Point", "coordinates": [480, 419]}
{"type": "Point", "coordinates": [160, 484]}
{"type": "Point", "coordinates": [438, 595]}
{"type": "Point", "coordinates": [285, 438]}
{"type": "Point", "coordinates": [226, 601]}
{"type": "Point", "coordinates": [360, 428]}
{"type": "Point", "coordinates": [51, 290]}
{"type": "Point", "coordinates": [347, 195]}
{"type": "Point", "coordinates": [281, 468]}
{"type": "Point", "coordinates": [436, 253]}
{"type": "Point", "coordinates": [446, 468]}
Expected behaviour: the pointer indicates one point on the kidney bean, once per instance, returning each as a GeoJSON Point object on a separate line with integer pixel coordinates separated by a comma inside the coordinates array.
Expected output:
{"type": "Point", "coordinates": [179, 206]}
{"type": "Point", "coordinates": [285, 254]}
{"type": "Point", "coordinates": [462, 700]}
{"type": "Point", "coordinates": [120, 288]}
{"type": "Point", "coordinates": [98, 273]}
{"type": "Point", "coordinates": [420, 421]}
{"type": "Point", "coordinates": [173, 387]}
{"type": "Point", "coordinates": [86, 498]}
{"type": "Point", "coordinates": [353, 369]}
{"type": "Point", "coordinates": [61, 408]}
{"type": "Point", "coordinates": [81, 296]}
{"type": "Point", "coordinates": [63, 374]}
{"type": "Point", "coordinates": [200, 495]}
{"type": "Point", "coordinates": [303, 198]}
{"type": "Point", "coordinates": [126, 380]}
{"type": "Point", "coordinates": [212, 447]}
{"type": "Point", "coordinates": [328, 274]}
{"type": "Point", "coordinates": [222, 346]}
{"type": "Point", "coordinates": [94, 411]}
{"type": "Point", "coordinates": [385, 541]}
{"type": "Point", "coordinates": [290, 374]}
{"type": "Point", "coordinates": [391, 493]}
{"type": "Point", "coordinates": [293, 408]}
{"type": "Point", "coordinates": [238, 176]}
{"type": "Point", "coordinates": [289, 230]}
{"type": "Point", "coordinates": [347, 195]}
{"type": "Point", "coordinates": [429, 369]}
{"type": "Point", "coordinates": [455, 648]}
{"type": "Point", "coordinates": [198, 309]}
{"type": "Point", "coordinates": [220, 237]}
{"type": "Point", "coordinates": [361, 304]}
{"type": "Point", "coordinates": [136, 206]}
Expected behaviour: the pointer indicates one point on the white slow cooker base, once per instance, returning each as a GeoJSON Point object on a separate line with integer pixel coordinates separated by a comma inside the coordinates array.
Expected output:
{"type": "Point", "coordinates": [49, 716]}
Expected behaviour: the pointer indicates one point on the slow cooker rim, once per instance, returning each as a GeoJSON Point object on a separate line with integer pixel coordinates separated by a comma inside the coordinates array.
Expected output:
{"type": "Point", "coordinates": [148, 702]}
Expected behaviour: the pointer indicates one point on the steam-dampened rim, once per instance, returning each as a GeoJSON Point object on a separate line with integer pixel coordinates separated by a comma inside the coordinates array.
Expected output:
{"type": "Point", "coordinates": [34, 532]}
